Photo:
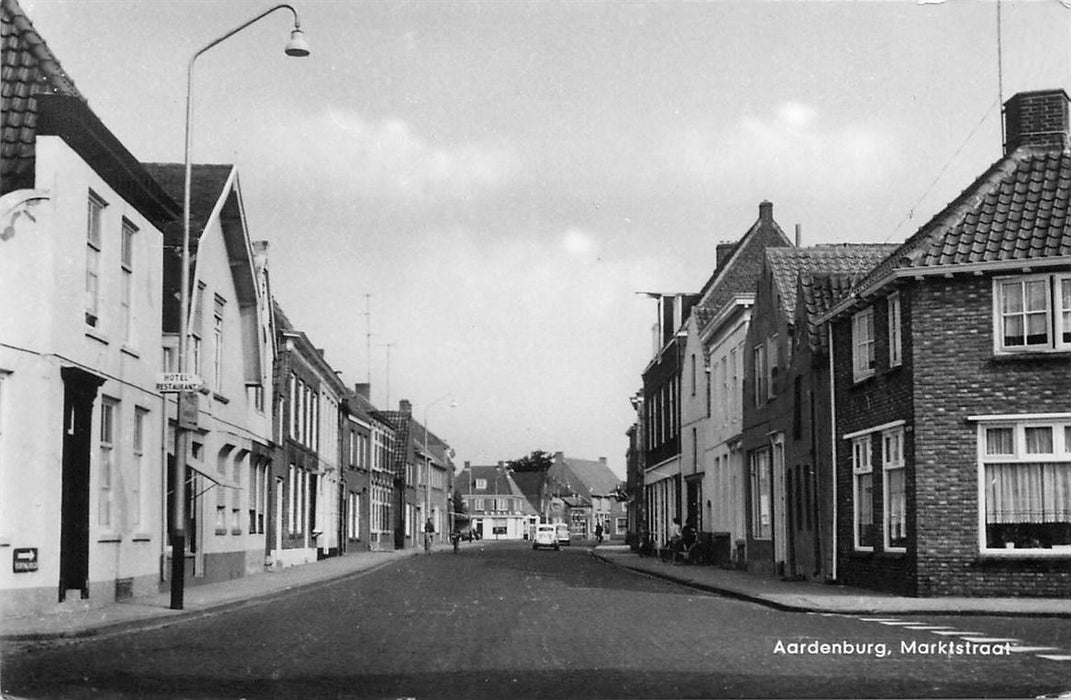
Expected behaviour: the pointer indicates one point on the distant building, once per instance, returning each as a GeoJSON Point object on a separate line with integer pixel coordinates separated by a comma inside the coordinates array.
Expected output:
{"type": "Point", "coordinates": [590, 494]}
{"type": "Point", "coordinates": [496, 506]}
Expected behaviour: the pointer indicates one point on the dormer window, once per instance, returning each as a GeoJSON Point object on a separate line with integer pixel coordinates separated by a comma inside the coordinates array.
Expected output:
{"type": "Point", "coordinates": [1032, 313]}
{"type": "Point", "coordinates": [481, 484]}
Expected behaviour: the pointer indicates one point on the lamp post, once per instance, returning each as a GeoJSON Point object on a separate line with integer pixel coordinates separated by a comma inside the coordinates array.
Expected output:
{"type": "Point", "coordinates": [427, 463]}
{"type": "Point", "coordinates": [295, 47]}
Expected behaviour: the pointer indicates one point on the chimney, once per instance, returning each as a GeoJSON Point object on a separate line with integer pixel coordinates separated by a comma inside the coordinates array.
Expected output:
{"type": "Point", "coordinates": [363, 389]}
{"type": "Point", "coordinates": [405, 407]}
{"type": "Point", "coordinates": [1036, 119]}
{"type": "Point", "coordinates": [559, 456]}
{"type": "Point", "coordinates": [467, 465]}
{"type": "Point", "coordinates": [602, 461]}
{"type": "Point", "coordinates": [766, 210]}
{"type": "Point", "coordinates": [799, 235]}
{"type": "Point", "coordinates": [722, 253]}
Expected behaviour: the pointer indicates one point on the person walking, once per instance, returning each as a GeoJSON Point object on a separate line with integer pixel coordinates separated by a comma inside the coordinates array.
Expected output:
{"type": "Point", "coordinates": [429, 530]}
{"type": "Point", "coordinates": [598, 533]}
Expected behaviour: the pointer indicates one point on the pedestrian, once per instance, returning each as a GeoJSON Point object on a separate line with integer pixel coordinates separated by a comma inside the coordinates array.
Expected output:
{"type": "Point", "coordinates": [429, 530]}
{"type": "Point", "coordinates": [598, 533]}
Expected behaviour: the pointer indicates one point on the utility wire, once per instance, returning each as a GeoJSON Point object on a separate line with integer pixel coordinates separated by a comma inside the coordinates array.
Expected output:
{"type": "Point", "coordinates": [911, 212]}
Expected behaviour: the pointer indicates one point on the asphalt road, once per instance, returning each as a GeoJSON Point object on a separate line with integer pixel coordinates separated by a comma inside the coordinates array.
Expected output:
{"type": "Point", "coordinates": [504, 621]}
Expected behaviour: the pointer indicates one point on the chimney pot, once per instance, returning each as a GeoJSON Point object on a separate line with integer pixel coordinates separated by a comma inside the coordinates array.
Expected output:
{"type": "Point", "coordinates": [405, 407]}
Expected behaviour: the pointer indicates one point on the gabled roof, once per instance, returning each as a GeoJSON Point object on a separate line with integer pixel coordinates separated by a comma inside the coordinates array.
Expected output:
{"type": "Point", "coordinates": [531, 485]}
{"type": "Point", "coordinates": [28, 68]}
{"type": "Point", "coordinates": [1017, 211]}
{"type": "Point", "coordinates": [402, 445]}
{"type": "Point", "coordinates": [818, 293]}
{"type": "Point", "coordinates": [499, 480]}
{"type": "Point", "coordinates": [38, 98]}
{"type": "Point", "coordinates": [738, 274]}
{"type": "Point", "coordinates": [582, 477]}
{"type": "Point", "coordinates": [206, 186]}
{"type": "Point", "coordinates": [213, 188]}
{"type": "Point", "coordinates": [786, 264]}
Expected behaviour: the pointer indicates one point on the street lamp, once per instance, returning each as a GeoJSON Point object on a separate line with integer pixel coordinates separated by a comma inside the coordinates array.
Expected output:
{"type": "Point", "coordinates": [427, 464]}
{"type": "Point", "coordinates": [297, 47]}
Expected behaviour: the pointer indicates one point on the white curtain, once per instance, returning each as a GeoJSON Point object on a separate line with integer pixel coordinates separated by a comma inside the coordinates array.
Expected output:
{"type": "Point", "coordinates": [1028, 493]}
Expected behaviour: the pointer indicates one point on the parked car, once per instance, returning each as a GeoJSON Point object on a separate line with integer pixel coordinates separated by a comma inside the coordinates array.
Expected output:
{"type": "Point", "coordinates": [545, 537]}
{"type": "Point", "coordinates": [562, 531]}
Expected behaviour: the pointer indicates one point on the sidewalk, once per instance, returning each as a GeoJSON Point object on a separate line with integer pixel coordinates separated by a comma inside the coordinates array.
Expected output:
{"type": "Point", "coordinates": [155, 611]}
{"type": "Point", "coordinates": [808, 596]}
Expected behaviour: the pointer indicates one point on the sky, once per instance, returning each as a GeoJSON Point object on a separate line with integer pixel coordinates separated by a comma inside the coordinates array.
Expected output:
{"type": "Point", "coordinates": [484, 186]}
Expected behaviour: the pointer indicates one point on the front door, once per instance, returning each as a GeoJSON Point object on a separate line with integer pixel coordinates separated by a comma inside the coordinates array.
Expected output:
{"type": "Point", "coordinates": [802, 521]}
{"type": "Point", "coordinates": [79, 393]}
{"type": "Point", "coordinates": [780, 526]}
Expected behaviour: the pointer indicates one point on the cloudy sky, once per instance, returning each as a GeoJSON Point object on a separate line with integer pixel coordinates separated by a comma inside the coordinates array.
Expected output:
{"type": "Point", "coordinates": [502, 177]}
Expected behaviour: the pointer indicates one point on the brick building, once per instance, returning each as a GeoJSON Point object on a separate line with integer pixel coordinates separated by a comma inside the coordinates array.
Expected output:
{"type": "Point", "coordinates": [952, 371]}
{"type": "Point", "coordinates": [786, 405]}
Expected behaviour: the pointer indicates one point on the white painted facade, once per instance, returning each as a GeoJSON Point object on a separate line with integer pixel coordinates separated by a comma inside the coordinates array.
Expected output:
{"type": "Point", "coordinates": [232, 351]}
{"type": "Point", "coordinates": [47, 262]}
{"type": "Point", "coordinates": [724, 481]}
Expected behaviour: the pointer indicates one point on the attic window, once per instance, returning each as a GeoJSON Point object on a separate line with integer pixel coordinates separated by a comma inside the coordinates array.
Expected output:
{"type": "Point", "coordinates": [481, 484]}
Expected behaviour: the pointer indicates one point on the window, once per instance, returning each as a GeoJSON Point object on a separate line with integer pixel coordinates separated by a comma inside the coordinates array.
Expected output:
{"type": "Point", "coordinates": [863, 493]}
{"type": "Point", "coordinates": [217, 346]}
{"type": "Point", "coordinates": [863, 344]}
{"type": "Point", "coordinates": [109, 414]}
{"type": "Point", "coordinates": [896, 351]}
{"type": "Point", "coordinates": [1032, 313]}
{"type": "Point", "coordinates": [502, 504]}
{"type": "Point", "coordinates": [197, 327]}
{"type": "Point", "coordinates": [761, 525]}
{"type": "Point", "coordinates": [140, 423]}
{"type": "Point", "coordinates": [126, 271]}
{"type": "Point", "coordinates": [693, 374]}
{"type": "Point", "coordinates": [478, 504]}
{"type": "Point", "coordinates": [481, 484]}
{"type": "Point", "coordinates": [292, 510]}
{"type": "Point", "coordinates": [759, 376]}
{"type": "Point", "coordinates": [771, 361]}
{"type": "Point", "coordinates": [94, 214]}
{"type": "Point", "coordinates": [354, 529]}
{"type": "Point", "coordinates": [894, 488]}
{"type": "Point", "coordinates": [1026, 481]}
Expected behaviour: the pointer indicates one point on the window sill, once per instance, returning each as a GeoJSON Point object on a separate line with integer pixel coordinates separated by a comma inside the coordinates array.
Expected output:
{"type": "Point", "coordinates": [141, 537]}
{"type": "Point", "coordinates": [109, 537]}
{"type": "Point", "coordinates": [96, 335]}
{"type": "Point", "coordinates": [862, 379]}
{"type": "Point", "coordinates": [221, 531]}
{"type": "Point", "coordinates": [1019, 554]}
{"type": "Point", "coordinates": [236, 530]}
{"type": "Point", "coordinates": [1030, 356]}
{"type": "Point", "coordinates": [126, 349]}
{"type": "Point", "coordinates": [221, 398]}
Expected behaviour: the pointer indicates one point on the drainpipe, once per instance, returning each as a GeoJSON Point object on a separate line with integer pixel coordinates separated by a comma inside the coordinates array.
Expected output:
{"type": "Point", "coordinates": [833, 444]}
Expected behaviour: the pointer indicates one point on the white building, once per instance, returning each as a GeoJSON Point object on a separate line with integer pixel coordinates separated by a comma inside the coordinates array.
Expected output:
{"type": "Point", "coordinates": [231, 348]}
{"type": "Point", "coordinates": [81, 423]}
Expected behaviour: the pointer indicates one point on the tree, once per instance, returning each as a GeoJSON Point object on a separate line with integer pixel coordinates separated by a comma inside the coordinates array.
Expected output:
{"type": "Point", "coordinates": [458, 504]}
{"type": "Point", "coordinates": [537, 461]}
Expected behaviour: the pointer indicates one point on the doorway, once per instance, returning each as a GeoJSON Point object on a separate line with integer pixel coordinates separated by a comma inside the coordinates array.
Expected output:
{"type": "Point", "coordinates": [79, 394]}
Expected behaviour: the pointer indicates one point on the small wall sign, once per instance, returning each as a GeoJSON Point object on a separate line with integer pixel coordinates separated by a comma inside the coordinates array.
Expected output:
{"type": "Point", "coordinates": [24, 559]}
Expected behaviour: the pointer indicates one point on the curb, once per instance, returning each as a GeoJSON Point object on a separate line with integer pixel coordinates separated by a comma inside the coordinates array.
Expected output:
{"type": "Point", "coordinates": [788, 607]}
{"type": "Point", "coordinates": [172, 617]}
